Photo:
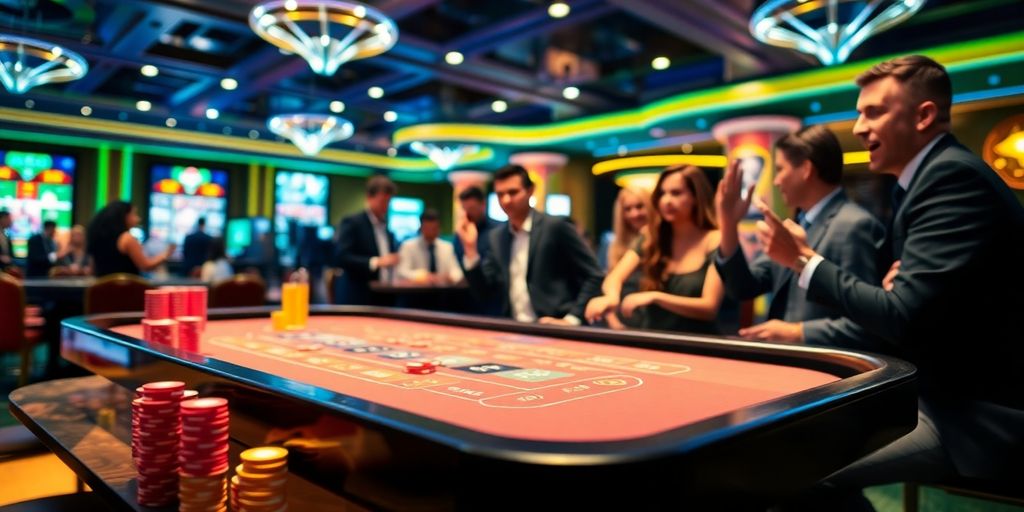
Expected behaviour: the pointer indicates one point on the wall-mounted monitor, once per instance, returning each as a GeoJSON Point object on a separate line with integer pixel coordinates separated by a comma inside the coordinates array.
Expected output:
{"type": "Point", "coordinates": [300, 199]}
{"type": "Point", "coordinates": [182, 194]}
{"type": "Point", "coordinates": [238, 236]}
{"type": "Point", "coordinates": [404, 217]}
{"type": "Point", "coordinates": [35, 187]}
{"type": "Point", "coordinates": [559, 205]}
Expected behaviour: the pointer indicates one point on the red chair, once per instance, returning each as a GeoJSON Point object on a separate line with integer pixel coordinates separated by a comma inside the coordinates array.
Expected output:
{"type": "Point", "coordinates": [240, 291]}
{"type": "Point", "coordinates": [116, 293]}
{"type": "Point", "coordinates": [16, 336]}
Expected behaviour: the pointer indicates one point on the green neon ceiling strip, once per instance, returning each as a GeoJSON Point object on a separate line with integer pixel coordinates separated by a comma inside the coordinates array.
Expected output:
{"type": "Point", "coordinates": [127, 155]}
{"type": "Point", "coordinates": [957, 57]}
{"type": "Point", "coordinates": [223, 143]}
{"type": "Point", "coordinates": [420, 176]}
{"type": "Point", "coordinates": [102, 175]}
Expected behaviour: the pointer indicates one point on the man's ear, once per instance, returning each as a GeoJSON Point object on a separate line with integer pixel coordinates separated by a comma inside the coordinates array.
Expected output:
{"type": "Point", "coordinates": [927, 116]}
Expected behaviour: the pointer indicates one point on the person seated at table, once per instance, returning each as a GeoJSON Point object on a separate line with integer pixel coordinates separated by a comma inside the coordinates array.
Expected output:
{"type": "Point", "coordinates": [427, 258]}
{"type": "Point", "coordinates": [216, 267]}
{"type": "Point", "coordinates": [630, 216]}
{"type": "Point", "coordinates": [112, 246]}
{"type": "Point", "coordinates": [537, 266]}
{"type": "Point", "coordinates": [76, 260]}
{"type": "Point", "coordinates": [680, 289]}
{"type": "Point", "coordinates": [808, 172]}
{"type": "Point", "coordinates": [42, 251]}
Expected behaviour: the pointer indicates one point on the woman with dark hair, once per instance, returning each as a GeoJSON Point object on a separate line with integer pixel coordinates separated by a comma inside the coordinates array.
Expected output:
{"type": "Point", "coordinates": [113, 248]}
{"type": "Point", "coordinates": [680, 289]}
{"type": "Point", "coordinates": [217, 267]}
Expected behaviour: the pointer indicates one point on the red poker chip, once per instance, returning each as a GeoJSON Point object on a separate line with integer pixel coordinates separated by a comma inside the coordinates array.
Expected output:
{"type": "Point", "coordinates": [203, 467]}
{"type": "Point", "coordinates": [203, 405]}
{"type": "Point", "coordinates": [205, 419]}
{"type": "Point", "coordinates": [194, 444]}
{"type": "Point", "coordinates": [203, 439]}
{"type": "Point", "coordinates": [164, 386]}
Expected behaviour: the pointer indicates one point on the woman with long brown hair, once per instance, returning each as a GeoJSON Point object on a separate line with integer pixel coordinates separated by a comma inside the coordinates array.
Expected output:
{"type": "Point", "coordinates": [680, 288]}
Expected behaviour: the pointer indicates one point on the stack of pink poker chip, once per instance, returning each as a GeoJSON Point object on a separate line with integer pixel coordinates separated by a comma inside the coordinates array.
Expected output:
{"type": "Point", "coordinates": [156, 431]}
{"type": "Point", "coordinates": [175, 316]}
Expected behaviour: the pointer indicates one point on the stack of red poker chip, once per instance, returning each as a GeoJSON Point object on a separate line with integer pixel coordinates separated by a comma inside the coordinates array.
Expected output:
{"type": "Point", "coordinates": [203, 455]}
{"type": "Point", "coordinates": [157, 311]}
{"type": "Point", "coordinates": [156, 428]}
{"type": "Point", "coordinates": [197, 300]}
{"type": "Point", "coordinates": [179, 300]}
{"type": "Point", "coordinates": [189, 332]}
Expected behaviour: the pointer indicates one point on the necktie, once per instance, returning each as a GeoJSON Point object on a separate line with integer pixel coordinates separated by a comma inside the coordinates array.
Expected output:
{"type": "Point", "coordinates": [897, 198]}
{"type": "Point", "coordinates": [432, 266]}
{"type": "Point", "coordinates": [801, 218]}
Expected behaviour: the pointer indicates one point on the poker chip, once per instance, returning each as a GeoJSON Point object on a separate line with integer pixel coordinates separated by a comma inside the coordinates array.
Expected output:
{"type": "Point", "coordinates": [157, 305]}
{"type": "Point", "coordinates": [420, 367]}
{"type": "Point", "coordinates": [260, 480]}
{"type": "Point", "coordinates": [156, 432]}
{"type": "Point", "coordinates": [163, 331]}
{"type": "Point", "coordinates": [190, 330]}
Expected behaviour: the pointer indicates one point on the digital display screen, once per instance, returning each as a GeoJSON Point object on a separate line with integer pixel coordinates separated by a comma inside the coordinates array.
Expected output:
{"type": "Point", "coordinates": [558, 204]}
{"type": "Point", "coordinates": [179, 197]}
{"type": "Point", "coordinates": [238, 236]}
{"type": "Point", "coordinates": [404, 217]}
{"type": "Point", "coordinates": [36, 187]}
{"type": "Point", "coordinates": [300, 199]}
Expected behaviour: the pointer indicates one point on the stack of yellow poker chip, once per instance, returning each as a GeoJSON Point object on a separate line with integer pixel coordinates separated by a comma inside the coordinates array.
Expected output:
{"type": "Point", "coordinates": [202, 493]}
{"type": "Point", "coordinates": [260, 480]}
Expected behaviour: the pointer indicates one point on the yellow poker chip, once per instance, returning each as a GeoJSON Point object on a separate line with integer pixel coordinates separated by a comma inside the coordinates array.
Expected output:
{"type": "Point", "coordinates": [264, 454]}
{"type": "Point", "coordinates": [264, 468]}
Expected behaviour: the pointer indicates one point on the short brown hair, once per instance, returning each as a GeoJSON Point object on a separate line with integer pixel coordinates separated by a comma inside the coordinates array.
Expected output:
{"type": "Point", "coordinates": [819, 145]}
{"type": "Point", "coordinates": [380, 184]}
{"type": "Point", "coordinates": [924, 78]}
{"type": "Point", "coordinates": [514, 170]}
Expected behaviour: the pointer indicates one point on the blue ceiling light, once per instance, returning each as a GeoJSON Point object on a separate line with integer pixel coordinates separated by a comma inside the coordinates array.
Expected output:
{"type": "Point", "coordinates": [828, 29]}
{"type": "Point", "coordinates": [445, 157]}
{"type": "Point", "coordinates": [327, 33]}
{"type": "Point", "coordinates": [27, 63]}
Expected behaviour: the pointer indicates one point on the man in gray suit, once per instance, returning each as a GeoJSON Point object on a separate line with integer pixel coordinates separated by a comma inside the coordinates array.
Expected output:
{"type": "Point", "coordinates": [953, 302]}
{"type": "Point", "coordinates": [537, 266]}
{"type": "Point", "coordinates": [809, 167]}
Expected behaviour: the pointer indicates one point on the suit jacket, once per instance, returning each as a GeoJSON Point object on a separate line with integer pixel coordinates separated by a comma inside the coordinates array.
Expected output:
{"type": "Point", "coordinates": [356, 245]}
{"type": "Point", "coordinates": [483, 242]}
{"type": "Point", "coordinates": [561, 275]}
{"type": "Point", "coordinates": [6, 250]}
{"type": "Point", "coordinates": [195, 250]}
{"type": "Point", "coordinates": [843, 233]}
{"type": "Point", "coordinates": [38, 263]}
{"type": "Point", "coordinates": [955, 308]}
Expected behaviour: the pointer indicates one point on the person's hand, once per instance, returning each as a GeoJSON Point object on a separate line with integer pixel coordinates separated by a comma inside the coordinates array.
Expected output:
{"type": "Point", "coordinates": [783, 241]}
{"type": "Point", "coordinates": [170, 250]}
{"type": "Point", "coordinates": [467, 233]}
{"type": "Point", "coordinates": [636, 300]}
{"type": "Point", "coordinates": [550, 320]}
{"type": "Point", "coordinates": [729, 203]}
{"type": "Point", "coordinates": [775, 330]}
{"type": "Point", "coordinates": [598, 307]}
{"type": "Point", "coordinates": [388, 260]}
{"type": "Point", "coordinates": [890, 276]}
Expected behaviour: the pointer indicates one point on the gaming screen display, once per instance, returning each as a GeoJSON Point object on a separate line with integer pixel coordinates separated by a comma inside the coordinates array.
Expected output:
{"type": "Point", "coordinates": [35, 187]}
{"type": "Point", "coordinates": [404, 217]}
{"type": "Point", "coordinates": [179, 197]}
{"type": "Point", "coordinates": [300, 200]}
{"type": "Point", "coordinates": [238, 236]}
{"type": "Point", "coordinates": [558, 204]}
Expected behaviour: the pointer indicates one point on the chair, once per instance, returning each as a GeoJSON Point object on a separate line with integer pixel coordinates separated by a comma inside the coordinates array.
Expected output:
{"type": "Point", "coordinates": [239, 291]}
{"type": "Point", "coordinates": [116, 293]}
{"type": "Point", "coordinates": [14, 271]}
{"type": "Point", "coordinates": [15, 336]}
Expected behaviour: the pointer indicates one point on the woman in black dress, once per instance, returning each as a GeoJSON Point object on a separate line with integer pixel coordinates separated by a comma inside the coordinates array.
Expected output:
{"type": "Point", "coordinates": [113, 248]}
{"type": "Point", "coordinates": [680, 289]}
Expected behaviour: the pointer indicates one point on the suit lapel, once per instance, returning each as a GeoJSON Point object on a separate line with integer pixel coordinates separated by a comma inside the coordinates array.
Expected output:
{"type": "Point", "coordinates": [535, 232]}
{"type": "Point", "coordinates": [899, 229]}
{"type": "Point", "coordinates": [820, 225]}
{"type": "Point", "coordinates": [504, 249]}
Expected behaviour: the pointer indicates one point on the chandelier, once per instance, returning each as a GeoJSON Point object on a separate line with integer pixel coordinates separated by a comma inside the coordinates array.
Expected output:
{"type": "Point", "coordinates": [310, 132]}
{"type": "Point", "coordinates": [327, 33]}
{"type": "Point", "coordinates": [444, 157]}
{"type": "Point", "coordinates": [26, 63]}
{"type": "Point", "coordinates": [828, 29]}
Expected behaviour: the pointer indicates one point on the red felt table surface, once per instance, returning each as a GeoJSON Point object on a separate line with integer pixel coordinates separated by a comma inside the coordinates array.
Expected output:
{"type": "Point", "coordinates": [559, 390]}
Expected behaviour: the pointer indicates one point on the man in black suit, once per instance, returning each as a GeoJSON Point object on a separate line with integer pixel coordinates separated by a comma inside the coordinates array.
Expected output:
{"type": "Point", "coordinates": [474, 203]}
{"type": "Point", "coordinates": [366, 249]}
{"type": "Point", "coordinates": [952, 301]}
{"type": "Point", "coordinates": [808, 172]}
{"type": "Point", "coordinates": [538, 265]}
{"type": "Point", "coordinates": [42, 251]}
{"type": "Point", "coordinates": [6, 251]}
{"type": "Point", "coordinates": [195, 250]}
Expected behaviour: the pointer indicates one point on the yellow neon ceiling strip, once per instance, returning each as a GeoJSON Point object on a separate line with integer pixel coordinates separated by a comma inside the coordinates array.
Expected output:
{"type": "Point", "coordinates": [236, 144]}
{"type": "Point", "coordinates": [641, 162]}
{"type": "Point", "coordinates": [956, 57]}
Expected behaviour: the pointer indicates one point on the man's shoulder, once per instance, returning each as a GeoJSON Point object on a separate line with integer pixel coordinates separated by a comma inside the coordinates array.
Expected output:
{"type": "Point", "coordinates": [852, 213]}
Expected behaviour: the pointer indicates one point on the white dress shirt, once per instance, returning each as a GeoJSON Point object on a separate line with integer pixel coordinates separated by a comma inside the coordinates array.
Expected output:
{"type": "Point", "coordinates": [414, 259]}
{"type": "Point", "coordinates": [518, 292]}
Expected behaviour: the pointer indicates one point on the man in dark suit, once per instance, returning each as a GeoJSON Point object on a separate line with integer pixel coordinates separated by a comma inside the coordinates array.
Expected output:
{"type": "Point", "coordinates": [6, 251]}
{"type": "Point", "coordinates": [808, 172]}
{"type": "Point", "coordinates": [366, 249]}
{"type": "Point", "coordinates": [538, 265]}
{"type": "Point", "coordinates": [42, 251]}
{"type": "Point", "coordinates": [474, 204]}
{"type": "Point", "coordinates": [952, 301]}
{"type": "Point", "coordinates": [195, 250]}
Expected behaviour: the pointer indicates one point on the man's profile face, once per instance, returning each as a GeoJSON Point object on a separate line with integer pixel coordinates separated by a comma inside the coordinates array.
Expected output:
{"type": "Point", "coordinates": [473, 207]}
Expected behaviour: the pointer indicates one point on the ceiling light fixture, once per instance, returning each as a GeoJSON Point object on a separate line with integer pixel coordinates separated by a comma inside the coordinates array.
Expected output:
{"type": "Point", "coordinates": [228, 84]}
{"type": "Point", "coordinates": [558, 10]}
{"type": "Point", "coordinates": [149, 70]}
{"type": "Point", "coordinates": [823, 28]}
{"type": "Point", "coordinates": [445, 157]}
{"type": "Point", "coordinates": [390, 116]}
{"type": "Point", "coordinates": [570, 93]}
{"type": "Point", "coordinates": [310, 132]}
{"type": "Point", "coordinates": [661, 63]}
{"type": "Point", "coordinates": [499, 106]}
{"type": "Point", "coordinates": [327, 33]}
{"type": "Point", "coordinates": [454, 58]}
{"type": "Point", "coordinates": [27, 63]}
{"type": "Point", "coordinates": [143, 105]}
{"type": "Point", "coordinates": [375, 92]}
{"type": "Point", "coordinates": [212, 113]}
{"type": "Point", "coordinates": [337, 107]}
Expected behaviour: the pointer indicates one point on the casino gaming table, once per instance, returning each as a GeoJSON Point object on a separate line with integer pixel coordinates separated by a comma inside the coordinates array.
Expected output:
{"type": "Point", "coordinates": [523, 415]}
